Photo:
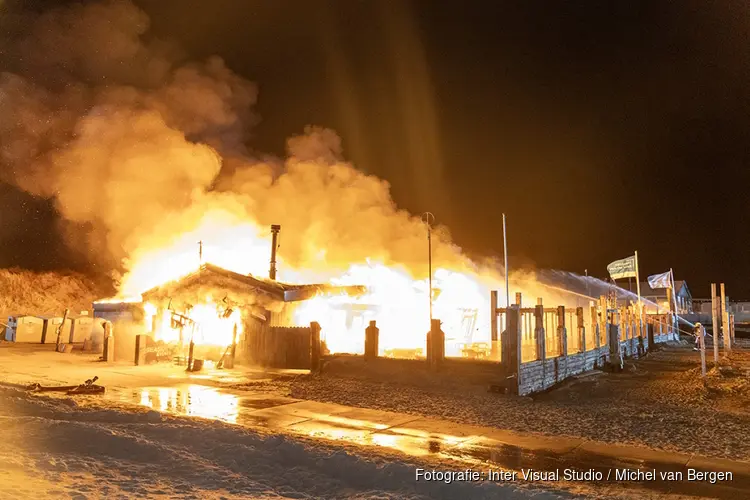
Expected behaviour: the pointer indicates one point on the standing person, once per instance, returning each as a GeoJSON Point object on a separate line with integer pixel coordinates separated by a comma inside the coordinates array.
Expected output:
{"type": "Point", "coordinates": [699, 332]}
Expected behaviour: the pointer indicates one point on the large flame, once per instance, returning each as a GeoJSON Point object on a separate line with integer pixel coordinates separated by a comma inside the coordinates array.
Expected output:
{"type": "Point", "coordinates": [207, 324]}
{"type": "Point", "coordinates": [219, 237]}
{"type": "Point", "coordinates": [398, 302]}
{"type": "Point", "coordinates": [400, 305]}
{"type": "Point", "coordinates": [395, 299]}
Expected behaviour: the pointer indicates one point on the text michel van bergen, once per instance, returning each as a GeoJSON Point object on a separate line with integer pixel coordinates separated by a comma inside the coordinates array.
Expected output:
{"type": "Point", "coordinates": [572, 475]}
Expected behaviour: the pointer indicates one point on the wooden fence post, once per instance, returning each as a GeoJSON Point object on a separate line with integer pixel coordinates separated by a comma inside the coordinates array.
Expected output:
{"type": "Point", "coordinates": [562, 332]}
{"type": "Point", "coordinates": [613, 339]}
{"type": "Point", "coordinates": [140, 350]}
{"type": "Point", "coordinates": [581, 330]}
{"type": "Point", "coordinates": [372, 334]}
{"type": "Point", "coordinates": [630, 331]}
{"type": "Point", "coordinates": [702, 343]}
{"type": "Point", "coordinates": [229, 363]}
{"type": "Point", "coordinates": [511, 346]}
{"type": "Point", "coordinates": [109, 342]}
{"type": "Point", "coordinates": [436, 352]}
{"type": "Point", "coordinates": [603, 320]}
{"type": "Point", "coordinates": [314, 346]}
{"type": "Point", "coordinates": [595, 326]}
{"type": "Point", "coordinates": [539, 332]}
{"type": "Point", "coordinates": [715, 322]}
{"type": "Point", "coordinates": [725, 335]}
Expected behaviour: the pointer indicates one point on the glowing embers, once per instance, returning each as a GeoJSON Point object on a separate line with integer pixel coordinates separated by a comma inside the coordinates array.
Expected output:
{"type": "Point", "coordinates": [209, 324]}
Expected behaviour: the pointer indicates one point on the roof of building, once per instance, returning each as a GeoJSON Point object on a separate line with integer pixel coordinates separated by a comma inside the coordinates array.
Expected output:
{"type": "Point", "coordinates": [275, 290]}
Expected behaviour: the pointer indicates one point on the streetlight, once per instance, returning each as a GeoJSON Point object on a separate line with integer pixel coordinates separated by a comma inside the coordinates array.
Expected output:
{"type": "Point", "coordinates": [429, 219]}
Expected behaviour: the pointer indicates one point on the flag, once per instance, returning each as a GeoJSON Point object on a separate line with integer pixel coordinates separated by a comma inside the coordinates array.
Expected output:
{"type": "Point", "coordinates": [663, 280]}
{"type": "Point", "coordinates": [623, 268]}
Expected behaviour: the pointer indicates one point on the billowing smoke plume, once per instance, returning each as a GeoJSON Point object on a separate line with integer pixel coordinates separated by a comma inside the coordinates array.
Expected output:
{"type": "Point", "coordinates": [139, 149]}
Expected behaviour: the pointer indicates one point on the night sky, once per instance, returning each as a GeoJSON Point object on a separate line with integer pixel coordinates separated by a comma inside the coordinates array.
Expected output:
{"type": "Point", "coordinates": [599, 128]}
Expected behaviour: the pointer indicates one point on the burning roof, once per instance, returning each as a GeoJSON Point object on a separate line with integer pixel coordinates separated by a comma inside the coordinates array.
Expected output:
{"type": "Point", "coordinates": [215, 277]}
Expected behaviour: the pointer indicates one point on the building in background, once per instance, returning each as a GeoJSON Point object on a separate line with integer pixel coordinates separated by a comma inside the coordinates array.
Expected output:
{"type": "Point", "coordinates": [682, 295]}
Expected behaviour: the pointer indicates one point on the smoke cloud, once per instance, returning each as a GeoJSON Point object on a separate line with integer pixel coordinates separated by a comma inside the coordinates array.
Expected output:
{"type": "Point", "coordinates": [139, 148]}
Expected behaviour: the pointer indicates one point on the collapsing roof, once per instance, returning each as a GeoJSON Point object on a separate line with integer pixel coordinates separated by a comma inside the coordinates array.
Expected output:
{"type": "Point", "coordinates": [209, 276]}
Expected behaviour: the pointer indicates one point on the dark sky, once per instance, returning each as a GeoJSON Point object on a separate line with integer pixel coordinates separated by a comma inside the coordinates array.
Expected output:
{"type": "Point", "coordinates": [599, 128]}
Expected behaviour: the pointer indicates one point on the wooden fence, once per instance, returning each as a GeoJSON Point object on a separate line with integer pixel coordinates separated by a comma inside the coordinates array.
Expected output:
{"type": "Point", "coordinates": [278, 346]}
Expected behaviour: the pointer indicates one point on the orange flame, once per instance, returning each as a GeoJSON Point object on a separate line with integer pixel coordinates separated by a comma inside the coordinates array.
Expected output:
{"type": "Point", "coordinates": [209, 324]}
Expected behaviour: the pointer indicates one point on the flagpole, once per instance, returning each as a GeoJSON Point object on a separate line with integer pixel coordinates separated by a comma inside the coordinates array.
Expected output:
{"type": "Point", "coordinates": [674, 290]}
{"type": "Point", "coordinates": [505, 247]}
{"type": "Point", "coordinates": [638, 289]}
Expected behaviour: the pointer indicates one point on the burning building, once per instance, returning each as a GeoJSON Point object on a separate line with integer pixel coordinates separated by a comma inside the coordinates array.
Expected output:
{"type": "Point", "coordinates": [213, 308]}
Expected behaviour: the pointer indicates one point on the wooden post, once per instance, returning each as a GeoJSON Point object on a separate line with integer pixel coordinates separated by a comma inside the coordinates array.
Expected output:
{"type": "Point", "coordinates": [595, 325]}
{"type": "Point", "coordinates": [715, 322]}
{"type": "Point", "coordinates": [672, 313]}
{"type": "Point", "coordinates": [562, 332]}
{"type": "Point", "coordinates": [541, 344]}
{"type": "Point", "coordinates": [371, 341]}
{"type": "Point", "coordinates": [581, 330]}
{"type": "Point", "coordinates": [702, 343]}
{"type": "Point", "coordinates": [60, 329]}
{"type": "Point", "coordinates": [493, 325]}
{"type": "Point", "coordinates": [140, 350]}
{"type": "Point", "coordinates": [562, 336]}
{"type": "Point", "coordinates": [731, 327]}
{"type": "Point", "coordinates": [650, 332]}
{"type": "Point", "coordinates": [109, 342]}
{"type": "Point", "coordinates": [428, 346]}
{"type": "Point", "coordinates": [436, 339]}
{"type": "Point", "coordinates": [630, 331]}
{"type": "Point", "coordinates": [511, 344]}
{"type": "Point", "coordinates": [314, 346]}
{"type": "Point", "coordinates": [518, 299]}
{"type": "Point", "coordinates": [636, 331]}
{"type": "Point", "coordinates": [613, 340]}
{"type": "Point", "coordinates": [641, 322]}
{"type": "Point", "coordinates": [191, 348]}
{"type": "Point", "coordinates": [233, 350]}
{"type": "Point", "coordinates": [603, 320]}
{"type": "Point", "coordinates": [725, 323]}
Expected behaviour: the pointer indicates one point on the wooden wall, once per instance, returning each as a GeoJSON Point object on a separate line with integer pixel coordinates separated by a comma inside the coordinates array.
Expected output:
{"type": "Point", "coordinates": [275, 346]}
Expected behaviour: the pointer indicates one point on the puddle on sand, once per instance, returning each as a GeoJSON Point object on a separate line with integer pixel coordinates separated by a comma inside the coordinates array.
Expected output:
{"type": "Point", "coordinates": [191, 400]}
{"type": "Point", "coordinates": [204, 402]}
{"type": "Point", "coordinates": [372, 430]}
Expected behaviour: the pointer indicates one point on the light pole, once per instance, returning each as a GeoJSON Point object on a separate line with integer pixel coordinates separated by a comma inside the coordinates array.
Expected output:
{"type": "Point", "coordinates": [429, 219]}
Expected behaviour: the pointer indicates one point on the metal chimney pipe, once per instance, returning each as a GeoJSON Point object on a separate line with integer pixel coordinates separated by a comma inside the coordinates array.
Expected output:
{"type": "Point", "coordinates": [274, 244]}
